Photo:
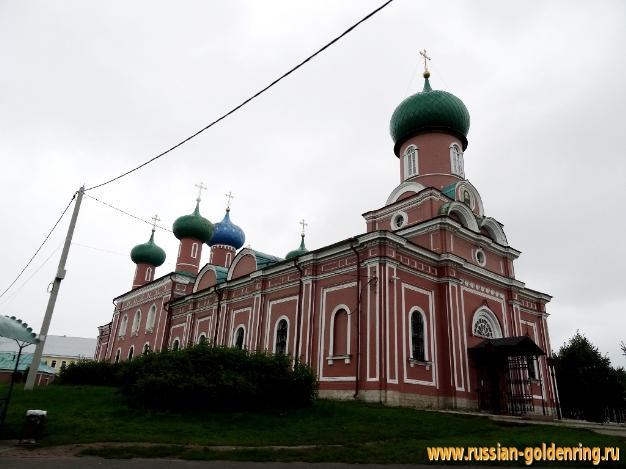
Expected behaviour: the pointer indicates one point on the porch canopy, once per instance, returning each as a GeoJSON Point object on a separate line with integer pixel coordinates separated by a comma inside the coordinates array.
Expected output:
{"type": "Point", "coordinates": [507, 347]}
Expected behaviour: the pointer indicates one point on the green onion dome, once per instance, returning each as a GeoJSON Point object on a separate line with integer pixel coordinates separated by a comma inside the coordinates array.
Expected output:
{"type": "Point", "coordinates": [297, 252]}
{"type": "Point", "coordinates": [193, 226]}
{"type": "Point", "coordinates": [148, 253]}
{"type": "Point", "coordinates": [429, 111]}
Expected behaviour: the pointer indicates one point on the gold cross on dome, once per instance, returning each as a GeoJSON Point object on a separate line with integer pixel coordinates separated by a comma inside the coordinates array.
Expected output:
{"type": "Point", "coordinates": [201, 187]}
{"type": "Point", "coordinates": [426, 59]}
{"type": "Point", "coordinates": [304, 225]}
{"type": "Point", "coordinates": [155, 219]}
{"type": "Point", "coordinates": [229, 197]}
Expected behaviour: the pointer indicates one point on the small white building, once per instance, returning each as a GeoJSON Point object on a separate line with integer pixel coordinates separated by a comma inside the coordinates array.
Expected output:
{"type": "Point", "coordinates": [58, 351]}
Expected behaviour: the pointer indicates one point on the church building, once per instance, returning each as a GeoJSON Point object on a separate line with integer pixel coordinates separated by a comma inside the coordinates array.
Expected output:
{"type": "Point", "coordinates": [422, 309]}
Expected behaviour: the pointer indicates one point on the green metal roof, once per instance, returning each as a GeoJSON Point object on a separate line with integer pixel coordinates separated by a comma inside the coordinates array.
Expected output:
{"type": "Point", "coordinates": [450, 190]}
{"type": "Point", "coordinates": [7, 362]}
{"type": "Point", "coordinates": [297, 252]}
{"type": "Point", "coordinates": [265, 260]}
{"type": "Point", "coordinates": [13, 328]}
{"type": "Point", "coordinates": [220, 274]}
{"type": "Point", "coordinates": [194, 226]}
{"type": "Point", "coordinates": [429, 111]}
{"type": "Point", "coordinates": [148, 253]}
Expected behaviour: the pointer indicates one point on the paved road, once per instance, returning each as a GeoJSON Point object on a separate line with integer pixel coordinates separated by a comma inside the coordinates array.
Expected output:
{"type": "Point", "coordinates": [84, 463]}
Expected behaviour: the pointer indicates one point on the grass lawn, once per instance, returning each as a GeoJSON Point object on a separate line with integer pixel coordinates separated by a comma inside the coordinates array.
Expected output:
{"type": "Point", "coordinates": [348, 431]}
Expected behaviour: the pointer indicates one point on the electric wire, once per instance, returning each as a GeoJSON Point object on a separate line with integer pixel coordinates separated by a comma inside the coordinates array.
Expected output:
{"type": "Point", "coordinates": [40, 246]}
{"type": "Point", "coordinates": [243, 103]}
{"type": "Point", "coordinates": [15, 292]}
{"type": "Point", "coordinates": [107, 251]}
{"type": "Point", "coordinates": [127, 213]}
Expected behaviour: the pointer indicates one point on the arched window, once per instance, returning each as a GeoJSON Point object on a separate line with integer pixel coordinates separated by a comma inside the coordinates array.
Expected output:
{"type": "Point", "coordinates": [176, 345]}
{"type": "Point", "coordinates": [485, 324]}
{"type": "Point", "coordinates": [136, 322]}
{"type": "Point", "coordinates": [239, 336]}
{"type": "Point", "coordinates": [228, 259]}
{"type": "Point", "coordinates": [410, 161]}
{"type": "Point", "coordinates": [194, 250]}
{"type": "Point", "coordinates": [418, 349]}
{"type": "Point", "coordinates": [456, 160]}
{"type": "Point", "coordinates": [148, 276]}
{"type": "Point", "coordinates": [280, 345]}
{"type": "Point", "coordinates": [531, 361]}
{"type": "Point", "coordinates": [123, 325]}
{"type": "Point", "coordinates": [131, 351]}
{"type": "Point", "coordinates": [146, 349]}
{"type": "Point", "coordinates": [339, 345]}
{"type": "Point", "coordinates": [117, 355]}
{"type": "Point", "coordinates": [202, 339]}
{"type": "Point", "coordinates": [150, 319]}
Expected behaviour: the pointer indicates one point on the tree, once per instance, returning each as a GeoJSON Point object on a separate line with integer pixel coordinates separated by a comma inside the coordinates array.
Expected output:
{"type": "Point", "coordinates": [587, 382]}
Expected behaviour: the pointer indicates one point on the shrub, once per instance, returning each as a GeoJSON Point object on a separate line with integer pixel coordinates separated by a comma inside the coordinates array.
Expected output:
{"type": "Point", "coordinates": [89, 372]}
{"type": "Point", "coordinates": [203, 377]}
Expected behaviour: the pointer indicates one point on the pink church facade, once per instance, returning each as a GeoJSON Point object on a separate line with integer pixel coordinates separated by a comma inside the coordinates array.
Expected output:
{"type": "Point", "coordinates": [422, 309]}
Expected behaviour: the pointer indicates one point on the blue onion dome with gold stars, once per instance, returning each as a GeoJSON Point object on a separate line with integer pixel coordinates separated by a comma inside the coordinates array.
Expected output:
{"type": "Point", "coordinates": [148, 253]}
{"type": "Point", "coordinates": [297, 252]}
{"type": "Point", "coordinates": [429, 111]}
{"type": "Point", "coordinates": [193, 226]}
{"type": "Point", "coordinates": [227, 233]}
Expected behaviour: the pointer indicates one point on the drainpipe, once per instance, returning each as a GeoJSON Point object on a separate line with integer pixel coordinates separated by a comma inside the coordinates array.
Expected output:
{"type": "Point", "coordinates": [358, 317]}
{"type": "Point", "coordinates": [168, 319]}
{"type": "Point", "coordinates": [220, 293]}
{"type": "Point", "coordinates": [299, 318]}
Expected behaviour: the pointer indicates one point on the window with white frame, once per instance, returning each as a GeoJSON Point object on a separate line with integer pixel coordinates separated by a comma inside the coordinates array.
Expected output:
{"type": "Point", "coordinates": [176, 345]}
{"type": "Point", "coordinates": [485, 324]}
{"type": "Point", "coordinates": [131, 352]}
{"type": "Point", "coordinates": [456, 160]}
{"type": "Point", "coordinates": [411, 163]}
{"type": "Point", "coordinates": [202, 339]}
{"type": "Point", "coordinates": [146, 349]}
{"type": "Point", "coordinates": [194, 250]}
{"type": "Point", "coordinates": [239, 337]}
{"type": "Point", "coordinates": [136, 321]}
{"type": "Point", "coordinates": [280, 345]}
{"type": "Point", "coordinates": [117, 355]}
{"type": "Point", "coordinates": [341, 334]}
{"type": "Point", "coordinates": [148, 276]}
{"type": "Point", "coordinates": [151, 318]}
{"type": "Point", "coordinates": [418, 345]}
{"type": "Point", "coordinates": [123, 325]}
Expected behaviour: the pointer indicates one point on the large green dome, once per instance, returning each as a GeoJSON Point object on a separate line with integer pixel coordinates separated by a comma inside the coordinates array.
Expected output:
{"type": "Point", "coordinates": [193, 226]}
{"type": "Point", "coordinates": [148, 253]}
{"type": "Point", "coordinates": [429, 111]}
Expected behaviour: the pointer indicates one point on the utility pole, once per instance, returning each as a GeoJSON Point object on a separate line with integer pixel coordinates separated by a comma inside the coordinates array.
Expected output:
{"type": "Point", "coordinates": [56, 285]}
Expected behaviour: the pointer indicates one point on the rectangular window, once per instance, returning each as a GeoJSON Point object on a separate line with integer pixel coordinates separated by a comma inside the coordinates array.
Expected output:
{"type": "Point", "coordinates": [53, 364]}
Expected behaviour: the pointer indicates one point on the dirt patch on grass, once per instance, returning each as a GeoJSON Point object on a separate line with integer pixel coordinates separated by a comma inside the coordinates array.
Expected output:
{"type": "Point", "coordinates": [15, 450]}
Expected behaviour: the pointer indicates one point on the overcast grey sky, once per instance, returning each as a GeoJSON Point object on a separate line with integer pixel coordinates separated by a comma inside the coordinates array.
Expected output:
{"type": "Point", "coordinates": [88, 89]}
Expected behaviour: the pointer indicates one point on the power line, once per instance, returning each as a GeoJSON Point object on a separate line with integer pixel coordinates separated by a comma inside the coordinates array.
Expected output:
{"type": "Point", "coordinates": [242, 104]}
{"type": "Point", "coordinates": [40, 246]}
{"type": "Point", "coordinates": [74, 243]}
{"type": "Point", "coordinates": [15, 292]}
{"type": "Point", "coordinates": [126, 213]}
